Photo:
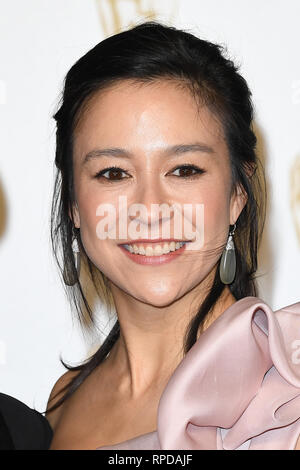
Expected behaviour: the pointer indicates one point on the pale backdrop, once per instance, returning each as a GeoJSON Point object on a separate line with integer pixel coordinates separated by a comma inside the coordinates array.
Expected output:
{"type": "Point", "coordinates": [39, 41]}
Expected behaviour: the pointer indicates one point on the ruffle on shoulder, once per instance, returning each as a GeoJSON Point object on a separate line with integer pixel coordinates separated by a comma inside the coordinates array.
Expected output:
{"type": "Point", "coordinates": [238, 387]}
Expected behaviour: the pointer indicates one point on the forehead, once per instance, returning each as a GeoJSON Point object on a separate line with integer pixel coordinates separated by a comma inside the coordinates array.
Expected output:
{"type": "Point", "coordinates": [144, 114]}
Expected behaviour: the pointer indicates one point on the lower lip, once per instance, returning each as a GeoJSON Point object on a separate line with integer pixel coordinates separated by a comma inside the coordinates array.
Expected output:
{"type": "Point", "coordinates": [153, 260]}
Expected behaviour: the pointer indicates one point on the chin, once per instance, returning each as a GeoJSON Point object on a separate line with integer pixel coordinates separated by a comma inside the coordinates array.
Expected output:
{"type": "Point", "coordinates": [163, 299]}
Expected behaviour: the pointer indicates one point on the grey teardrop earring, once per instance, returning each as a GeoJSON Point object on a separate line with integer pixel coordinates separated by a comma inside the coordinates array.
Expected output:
{"type": "Point", "coordinates": [228, 260]}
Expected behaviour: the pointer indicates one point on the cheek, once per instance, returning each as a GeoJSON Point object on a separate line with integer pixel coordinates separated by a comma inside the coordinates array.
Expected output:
{"type": "Point", "coordinates": [94, 219]}
{"type": "Point", "coordinates": [216, 215]}
{"type": "Point", "coordinates": [88, 202]}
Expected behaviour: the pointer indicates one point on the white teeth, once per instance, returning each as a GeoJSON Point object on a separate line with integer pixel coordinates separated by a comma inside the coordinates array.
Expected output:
{"type": "Point", "coordinates": [156, 250]}
{"type": "Point", "coordinates": [149, 251]}
{"type": "Point", "coordinates": [142, 250]}
{"type": "Point", "coordinates": [166, 248]}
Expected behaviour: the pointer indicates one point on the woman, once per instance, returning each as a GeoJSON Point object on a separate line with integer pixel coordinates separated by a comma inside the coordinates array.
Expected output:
{"type": "Point", "coordinates": [155, 115]}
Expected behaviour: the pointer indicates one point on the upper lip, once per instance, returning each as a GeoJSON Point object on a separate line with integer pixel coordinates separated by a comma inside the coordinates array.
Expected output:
{"type": "Point", "coordinates": [157, 240]}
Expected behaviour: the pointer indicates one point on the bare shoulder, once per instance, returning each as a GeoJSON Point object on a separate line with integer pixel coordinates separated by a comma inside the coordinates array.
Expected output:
{"type": "Point", "coordinates": [57, 392]}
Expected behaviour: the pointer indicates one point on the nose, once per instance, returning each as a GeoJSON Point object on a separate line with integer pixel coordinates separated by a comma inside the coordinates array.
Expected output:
{"type": "Point", "coordinates": [152, 208]}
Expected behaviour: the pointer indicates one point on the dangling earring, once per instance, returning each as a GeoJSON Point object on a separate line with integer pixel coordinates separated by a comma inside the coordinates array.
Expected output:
{"type": "Point", "coordinates": [228, 261]}
{"type": "Point", "coordinates": [69, 278]}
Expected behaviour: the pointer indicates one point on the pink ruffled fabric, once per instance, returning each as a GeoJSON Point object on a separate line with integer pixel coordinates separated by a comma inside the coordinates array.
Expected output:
{"type": "Point", "coordinates": [238, 387]}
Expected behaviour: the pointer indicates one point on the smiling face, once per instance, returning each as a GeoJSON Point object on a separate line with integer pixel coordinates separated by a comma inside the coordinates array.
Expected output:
{"type": "Point", "coordinates": [150, 132]}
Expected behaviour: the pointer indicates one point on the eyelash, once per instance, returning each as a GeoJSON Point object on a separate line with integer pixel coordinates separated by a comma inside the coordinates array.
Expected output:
{"type": "Point", "coordinates": [195, 175]}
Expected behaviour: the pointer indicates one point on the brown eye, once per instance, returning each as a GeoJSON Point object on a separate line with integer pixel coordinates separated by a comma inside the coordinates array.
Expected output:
{"type": "Point", "coordinates": [114, 174]}
{"type": "Point", "coordinates": [188, 171]}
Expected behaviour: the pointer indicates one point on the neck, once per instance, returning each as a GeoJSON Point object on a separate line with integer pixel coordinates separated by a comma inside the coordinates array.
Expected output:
{"type": "Point", "coordinates": [150, 345]}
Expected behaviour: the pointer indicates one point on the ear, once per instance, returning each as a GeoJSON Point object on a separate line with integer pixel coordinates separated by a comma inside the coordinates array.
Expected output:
{"type": "Point", "coordinates": [237, 203]}
{"type": "Point", "coordinates": [76, 216]}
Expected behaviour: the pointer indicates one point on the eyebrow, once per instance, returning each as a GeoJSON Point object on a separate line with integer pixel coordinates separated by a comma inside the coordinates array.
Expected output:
{"type": "Point", "coordinates": [168, 151]}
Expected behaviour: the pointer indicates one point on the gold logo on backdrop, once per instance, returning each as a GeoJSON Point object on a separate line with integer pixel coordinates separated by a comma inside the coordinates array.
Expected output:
{"type": "Point", "coordinates": [295, 194]}
{"type": "Point", "coordinates": [116, 15]}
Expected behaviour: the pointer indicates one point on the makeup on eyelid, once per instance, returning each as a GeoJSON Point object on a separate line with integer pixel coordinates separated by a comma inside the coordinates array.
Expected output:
{"type": "Point", "coordinates": [193, 167]}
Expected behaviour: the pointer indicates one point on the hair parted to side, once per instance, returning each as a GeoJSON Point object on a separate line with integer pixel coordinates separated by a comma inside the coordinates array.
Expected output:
{"type": "Point", "coordinates": [148, 52]}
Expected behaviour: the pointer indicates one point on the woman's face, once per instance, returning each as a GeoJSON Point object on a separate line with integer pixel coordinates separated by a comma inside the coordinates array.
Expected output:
{"type": "Point", "coordinates": [149, 132]}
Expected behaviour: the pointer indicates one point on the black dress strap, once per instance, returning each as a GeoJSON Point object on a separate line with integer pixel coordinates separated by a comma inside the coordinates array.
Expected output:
{"type": "Point", "coordinates": [22, 427]}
